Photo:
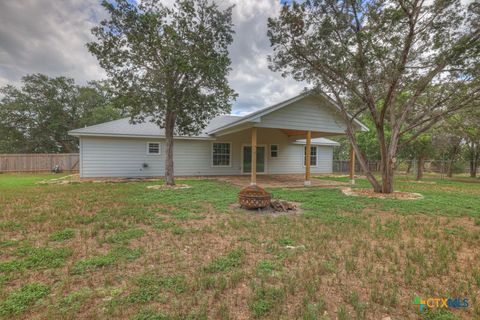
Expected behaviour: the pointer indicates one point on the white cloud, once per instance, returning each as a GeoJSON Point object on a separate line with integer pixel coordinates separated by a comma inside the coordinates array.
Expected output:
{"type": "Point", "coordinates": [49, 37]}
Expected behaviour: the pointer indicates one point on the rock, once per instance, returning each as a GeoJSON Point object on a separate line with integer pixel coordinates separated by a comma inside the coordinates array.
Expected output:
{"type": "Point", "coordinates": [293, 247]}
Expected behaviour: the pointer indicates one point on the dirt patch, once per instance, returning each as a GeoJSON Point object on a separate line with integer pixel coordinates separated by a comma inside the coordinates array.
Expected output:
{"type": "Point", "coordinates": [167, 187]}
{"type": "Point", "coordinates": [371, 194]}
{"type": "Point", "coordinates": [72, 178]}
{"type": "Point", "coordinates": [421, 182]}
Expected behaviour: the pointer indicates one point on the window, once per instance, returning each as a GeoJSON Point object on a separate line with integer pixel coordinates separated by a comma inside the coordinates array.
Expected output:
{"type": "Point", "coordinates": [221, 155]}
{"type": "Point", "coordinates": [274, 150]}
{"type": "Point", "coordinates": [153, 148]}
{"type": "Point", "coordinates": [313, 156]}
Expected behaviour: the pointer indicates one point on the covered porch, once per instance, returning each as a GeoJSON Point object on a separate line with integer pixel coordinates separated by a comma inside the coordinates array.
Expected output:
{"type": "Point", "coordinates": [295, 127]}
{"type": "Point", "coordinates": [278, 180]}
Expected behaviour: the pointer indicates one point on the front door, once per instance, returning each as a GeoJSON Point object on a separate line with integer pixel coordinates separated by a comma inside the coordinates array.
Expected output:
{"type": "Point", "coordinates": [247, 159]}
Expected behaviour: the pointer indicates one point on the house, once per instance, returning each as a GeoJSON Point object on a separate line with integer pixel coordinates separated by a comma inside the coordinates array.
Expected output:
{"type": "Point", "coordinates": [280, 134]}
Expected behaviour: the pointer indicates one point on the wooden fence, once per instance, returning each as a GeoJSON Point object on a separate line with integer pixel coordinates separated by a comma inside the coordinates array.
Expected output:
{"type": "Point", "coordinates": [38, 162]}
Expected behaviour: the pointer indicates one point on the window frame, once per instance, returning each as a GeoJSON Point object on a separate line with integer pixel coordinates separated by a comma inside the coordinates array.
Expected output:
{"type": "Point", "coordinates": [229, 158]}
{"type": "Point", "coordinates": [159, 148]}
{"type": "Point", "coordinates": [304, 160]}
{"type": "Point", "coordinates": [276, 151]}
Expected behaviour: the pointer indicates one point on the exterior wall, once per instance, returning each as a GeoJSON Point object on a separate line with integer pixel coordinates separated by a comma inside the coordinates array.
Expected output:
{"type": "Point", "coordinates": [122, 157]}
{"type": "Point", "coordinates": [306, 114]}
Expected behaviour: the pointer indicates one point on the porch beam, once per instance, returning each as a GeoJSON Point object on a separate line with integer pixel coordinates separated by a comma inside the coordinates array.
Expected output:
{"type": "Point", "coordinates": [352, 165]}
{"type": "Point", "coordinates": [308, 156]}
{"type": "Point", "coordinates": [253, 177]}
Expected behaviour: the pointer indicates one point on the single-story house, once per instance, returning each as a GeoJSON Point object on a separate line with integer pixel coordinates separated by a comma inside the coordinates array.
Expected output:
{"type": "Point", "coordinates": [280, 134]}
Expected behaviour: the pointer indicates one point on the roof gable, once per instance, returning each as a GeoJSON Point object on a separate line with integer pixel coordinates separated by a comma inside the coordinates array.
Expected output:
{"type": "Point", "coordinates": [312, 98]}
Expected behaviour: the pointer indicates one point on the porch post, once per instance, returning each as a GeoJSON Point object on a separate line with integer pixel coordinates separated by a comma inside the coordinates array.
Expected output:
{"type": "Point", "coordinates": [253, 178]}
{"type": "Point", "coordinates": [352, 165]}
{"type": "Point", "coordinates": [307, 158]}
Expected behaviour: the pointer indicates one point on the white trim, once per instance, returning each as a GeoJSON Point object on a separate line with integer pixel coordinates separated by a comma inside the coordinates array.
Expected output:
{"type": "Point", "coordinates": [80, 165]}
{"type": "Point", "coordinates": [159, 148]}
{"type": "Point", "coordinates": [316, 157]}
{"type": "Point", "coordinates": [264, 158]}
{"type": "Point", "coordinates": [211, 155]}
{"type": "Point", "coordinates": [270, 151]}
{"type": "Point", "coordinates": [115, 135]}
{"type": "Point", "coordinates": [326, 142]}
{"type": "Point", "coordinates": [253, 117]}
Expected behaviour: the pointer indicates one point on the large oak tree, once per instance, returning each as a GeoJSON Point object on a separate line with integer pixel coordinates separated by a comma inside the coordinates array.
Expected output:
{"type": "Point", "coordinates": [403, 64]}
{"type": "Point", "coordinates": [168, 63]}
{"type": "Point", "coordinates": [36, 116]}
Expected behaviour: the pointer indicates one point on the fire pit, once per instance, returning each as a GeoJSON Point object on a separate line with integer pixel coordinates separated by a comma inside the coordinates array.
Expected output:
{"type": "Point", "coordinates": [254, 197]}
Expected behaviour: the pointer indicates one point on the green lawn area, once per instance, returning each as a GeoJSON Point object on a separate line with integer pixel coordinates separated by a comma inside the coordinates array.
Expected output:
{"type": "Point", "coordinates": [120, 250]}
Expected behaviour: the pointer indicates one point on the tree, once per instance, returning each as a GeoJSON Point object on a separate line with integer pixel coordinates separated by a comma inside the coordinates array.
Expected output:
{"type": "Point", "coordinates": [169, 64]}
{"type": "Point", "coordinates": [449, 140]}
{"type": "Point", "coordinates": [403, 64]}
{"type": "Point", "coordinates": [420, 150]}
{"type": "Point", "coordinates": [38, 116]}
{"type": "Point", "coordinates": [471, 131]}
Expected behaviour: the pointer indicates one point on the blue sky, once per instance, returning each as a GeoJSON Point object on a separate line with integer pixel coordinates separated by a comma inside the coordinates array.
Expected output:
{"type": "Point", "coordinates": [53, 42]}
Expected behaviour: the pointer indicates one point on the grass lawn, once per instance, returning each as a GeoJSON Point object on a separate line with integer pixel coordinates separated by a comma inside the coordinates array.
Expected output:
{"type": "Point", "coordinates": [120, 250]}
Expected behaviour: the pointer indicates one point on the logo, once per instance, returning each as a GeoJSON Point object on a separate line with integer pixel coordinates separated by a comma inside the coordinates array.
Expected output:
{"type": "Point", "coordinates": [440, 303]}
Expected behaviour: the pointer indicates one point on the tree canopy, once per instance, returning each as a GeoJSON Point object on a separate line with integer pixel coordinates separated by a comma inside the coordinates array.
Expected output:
{"type": "Point", "coordinates": [168, 63]}
{"type": "Point", "coordinates": [404, 65]}
{"type": "Point", "coordinates": [36, 117]}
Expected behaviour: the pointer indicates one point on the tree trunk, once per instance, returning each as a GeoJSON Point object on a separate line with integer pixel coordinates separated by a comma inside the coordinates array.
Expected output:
{"type": "Point", "coordinates": [474, 151]}
{"type": "Point", "coordinates": [362, 160]}
{"type": "Point", "coordinates": [474, 166]}
{"type": "Point", "coordinates": [387, 168]}
{"type": "Point", "coordinates": [409, 167]}
{"type": "Point", "coordinates": [169, 129]}
{"type": "Point", "coordinates": [450, 169]}
{"type": "Point", "coordinates": [421, 163]}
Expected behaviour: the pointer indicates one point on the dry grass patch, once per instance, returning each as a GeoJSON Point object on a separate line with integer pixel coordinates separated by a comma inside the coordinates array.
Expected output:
{"type": "Point", "coordinates": [84, 251]}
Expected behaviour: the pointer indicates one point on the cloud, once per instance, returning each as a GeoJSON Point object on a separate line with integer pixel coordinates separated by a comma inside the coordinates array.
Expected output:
{"type": "Point", "coordinates": [49, 37]}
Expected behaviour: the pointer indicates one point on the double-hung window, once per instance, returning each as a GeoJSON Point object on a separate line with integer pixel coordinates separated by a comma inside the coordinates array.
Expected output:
{"type": "Point", "coordinates": [313, 156]}
{"type": "Point", "coordinates": [221, 154]}
{"type": "Point", "coordinates": [273, 150]}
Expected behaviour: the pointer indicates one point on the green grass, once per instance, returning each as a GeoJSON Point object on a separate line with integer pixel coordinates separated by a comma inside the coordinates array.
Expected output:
{"type": "Point", "coordinates": [231, 260]}
{"type": "Point", "coordinates": [62, 235]}
{"type": "Point", "coordinates": [36, 258]}
{"type": "Point", "coordinates": [122, 251]}
{"type": "Point", "coordinates": [115, 256]}
{"type": "Point", "coordinates": [73, 301]}
{"type": "Point", "coordinates": [151, 288]}
{"type": "Point", "coordinates": [22, 299]}
{"type": "Point", "coordinates": [265, 300]}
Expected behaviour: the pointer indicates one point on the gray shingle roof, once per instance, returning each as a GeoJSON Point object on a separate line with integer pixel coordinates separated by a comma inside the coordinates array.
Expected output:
{"type": "Point", "coordinates": [123, 127]}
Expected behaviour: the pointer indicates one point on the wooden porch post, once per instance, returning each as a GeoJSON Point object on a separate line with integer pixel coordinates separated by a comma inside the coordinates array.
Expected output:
{"type": "Point", "coordinates": [253, 178]}
{"type": "Point", "coordinates": [352, 165]}
{"type": "Point", "coordinates": [307, 158]}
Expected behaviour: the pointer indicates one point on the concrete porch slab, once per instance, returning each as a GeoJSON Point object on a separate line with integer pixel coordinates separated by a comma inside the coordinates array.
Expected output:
{"type": "Point", "coordinates": [280, 181]}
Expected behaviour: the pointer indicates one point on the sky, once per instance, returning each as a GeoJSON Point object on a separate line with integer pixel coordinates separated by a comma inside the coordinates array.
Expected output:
{"type": "Point", "coordinates": [49, 37]}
